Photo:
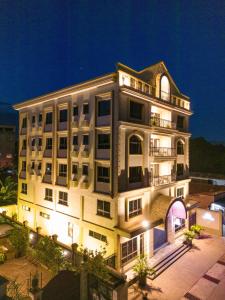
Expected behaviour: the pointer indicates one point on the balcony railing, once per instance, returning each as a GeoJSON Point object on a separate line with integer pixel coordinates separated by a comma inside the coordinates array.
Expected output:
{"type": "Point", "coordinates": [161, 180]}
{"type": "Point", "coordinates": [162, 151]}
{"type": "Point", "coordinates": [154, 121]}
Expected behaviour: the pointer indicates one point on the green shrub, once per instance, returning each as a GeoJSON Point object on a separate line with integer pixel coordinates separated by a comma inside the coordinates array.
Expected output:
{"type": "Point", "coordinates": [19, 238]}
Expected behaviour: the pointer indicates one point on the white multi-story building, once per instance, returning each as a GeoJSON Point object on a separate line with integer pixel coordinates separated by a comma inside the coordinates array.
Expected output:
{"type": "Point", "coordinates": [104, 163]}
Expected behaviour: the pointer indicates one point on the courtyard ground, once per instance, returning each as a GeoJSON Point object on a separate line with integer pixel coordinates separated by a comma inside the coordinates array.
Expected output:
{"type": "Point", "coordinates": [197, 274]}
{"type": "Point", "coordinates": [20, 269]}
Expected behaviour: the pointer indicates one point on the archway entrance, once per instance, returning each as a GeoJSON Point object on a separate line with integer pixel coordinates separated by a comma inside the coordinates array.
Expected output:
{"type": "Point", "coordinates": [175, 220]}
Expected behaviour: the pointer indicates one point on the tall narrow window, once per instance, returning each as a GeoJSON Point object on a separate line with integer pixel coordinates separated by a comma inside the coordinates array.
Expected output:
{"type": "Point", "coordinates": [48, 119]}
{"type": "Point", "coordinates": [165, 88]}
{"type": "Point", "coordinates": [103, 141]}
{"type": "Point", "coordinates": [103, 108]}
{"type": "Point", "coordinates": [136, 110]}
{"type": "Point", "coordinates": [85, 108]}
{"type": "Point", "coordinates": [180, 148]}
{"type": "Point", "coordinates": [103, 174]}
{"type": "Point", "coordinates": [63, 115]}
{"type": "Point", "coordinates": [62, 170]}
{"type": "Point", "coordinates": [135, 174]}
{"type": "Point", "coordinates": [63, 143]}
{"type": "Point", "coordinates": [135, 145]}
{"type": "Point", "coordinates": [49, 144]}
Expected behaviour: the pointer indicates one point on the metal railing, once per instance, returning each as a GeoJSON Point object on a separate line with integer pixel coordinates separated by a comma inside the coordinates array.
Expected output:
{"type": "Point", "coordinates": [162, 151]}
{"type": "Point", "coordinates": [161, 180]}
{"type": "Point", "coordinates": [158, 122]}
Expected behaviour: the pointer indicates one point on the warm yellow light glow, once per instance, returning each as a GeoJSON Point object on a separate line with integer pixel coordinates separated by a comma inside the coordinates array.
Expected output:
{"type": "Point", "coordinates": [145, 223]}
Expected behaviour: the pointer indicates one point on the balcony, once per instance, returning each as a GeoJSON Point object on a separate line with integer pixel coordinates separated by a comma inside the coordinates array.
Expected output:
{"type": "Point", "coordinates": [62, 153]}
{"type": "Point", "coordinates": [23, 152]}
{"type": "Point", "coordinates": [47, 178]}
{"type": "Point", "coordinates": [48, 127]}
{"type": "Point", "coordinates": [85, 152]}
{"type": "Point", "coordinates": [62, 126]}
{"type": "Point", "coordinates": [75, 123]}
{"type": "Point", "coordinates": [162, 152]}
{"type": "Point", "coordinates": [162, 180]}
{"type": "Point", "coordinates": [85, 123]}
{"type": "Point", "coordinates": [75, 153]}
{"type": "Point", "coordinates": [22, 174]}
{"type": "Point", "coordinates": [47, 153]}
{"type": "Point", "coordinates": [157, 122]}
{"type": "Point", "coordinates": [61, 180]}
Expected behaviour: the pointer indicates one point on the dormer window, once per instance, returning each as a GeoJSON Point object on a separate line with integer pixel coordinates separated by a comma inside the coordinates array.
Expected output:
{"type": "Point", "coordinates": [165, 88]}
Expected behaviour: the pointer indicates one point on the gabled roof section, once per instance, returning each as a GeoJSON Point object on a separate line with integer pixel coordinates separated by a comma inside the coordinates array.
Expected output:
{"type": "Point", "coordinates": [149, 73]}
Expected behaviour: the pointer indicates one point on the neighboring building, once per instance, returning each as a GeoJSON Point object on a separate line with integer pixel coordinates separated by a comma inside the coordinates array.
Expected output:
{"type": "Point", "coordinates": [105, 163]}
{"type": "Point", "coordinates": [7, 145]}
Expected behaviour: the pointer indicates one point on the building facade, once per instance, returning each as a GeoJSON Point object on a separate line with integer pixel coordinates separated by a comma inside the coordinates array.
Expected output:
{"type": "Point", "coordinates": [105, 163]}
{"type": "Point", "coordinates": [7, 145]}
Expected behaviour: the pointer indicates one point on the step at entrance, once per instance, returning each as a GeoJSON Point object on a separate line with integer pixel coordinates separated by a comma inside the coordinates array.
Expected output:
{"type": "Point", "coordinates": [167, 261]}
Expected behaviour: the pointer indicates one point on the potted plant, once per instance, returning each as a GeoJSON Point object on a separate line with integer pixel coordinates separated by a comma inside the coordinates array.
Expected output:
{"type": "Point", "coordinates": [189, 235]}
{"type": "Point", "coordinates": [142, 270]}
{"type": "Point", "coordinates": [197, 230]}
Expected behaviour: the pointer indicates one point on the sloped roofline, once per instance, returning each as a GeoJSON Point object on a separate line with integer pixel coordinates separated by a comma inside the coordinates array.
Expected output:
{"type": "Point", "coordinates": [146, 68]}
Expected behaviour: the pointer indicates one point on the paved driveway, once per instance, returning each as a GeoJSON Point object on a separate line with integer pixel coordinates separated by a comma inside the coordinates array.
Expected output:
{"type": "Point", "coordinates": [186, 275]}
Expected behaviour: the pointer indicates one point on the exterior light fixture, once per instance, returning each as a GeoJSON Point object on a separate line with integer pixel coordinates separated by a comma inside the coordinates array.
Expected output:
{"type": "Point", "coordinates": [207, 216]}
{"type": "Point", "coordinates": [145, 223]}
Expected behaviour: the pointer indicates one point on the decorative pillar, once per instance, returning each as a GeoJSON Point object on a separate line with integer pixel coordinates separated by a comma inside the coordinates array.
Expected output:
{"type": "Point", "coordinates": [170, 228]}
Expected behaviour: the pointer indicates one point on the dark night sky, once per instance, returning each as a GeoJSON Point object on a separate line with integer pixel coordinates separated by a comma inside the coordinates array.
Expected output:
{"type": "Point", "coordinates": [50, 44]}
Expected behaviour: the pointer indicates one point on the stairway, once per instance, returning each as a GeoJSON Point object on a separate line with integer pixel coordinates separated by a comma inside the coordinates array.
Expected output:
{"type": "Point", "coordinates": [167, 261]}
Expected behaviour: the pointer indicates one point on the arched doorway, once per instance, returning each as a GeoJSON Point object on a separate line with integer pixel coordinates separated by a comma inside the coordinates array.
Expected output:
{"type": "Point", "coordinates": [175, 219]}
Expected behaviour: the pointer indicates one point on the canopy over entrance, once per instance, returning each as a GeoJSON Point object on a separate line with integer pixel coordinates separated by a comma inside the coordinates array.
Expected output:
{"type": "Point", "coordinates": [163, 205]}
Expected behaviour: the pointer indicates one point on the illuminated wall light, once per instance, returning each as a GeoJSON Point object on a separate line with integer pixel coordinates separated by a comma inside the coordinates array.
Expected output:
{"type": "Point", "coordinates": [207, 216]}
{"type": "Point", "coordinates": [145, 223]}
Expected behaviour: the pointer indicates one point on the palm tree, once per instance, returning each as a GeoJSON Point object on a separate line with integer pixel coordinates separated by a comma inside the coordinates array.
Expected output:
{"type": "Point", "coordinates": [8, 191]}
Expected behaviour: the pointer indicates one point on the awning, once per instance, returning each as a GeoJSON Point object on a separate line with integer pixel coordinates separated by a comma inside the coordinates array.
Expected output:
{"type": "Point", "coordinates": [161, 206]}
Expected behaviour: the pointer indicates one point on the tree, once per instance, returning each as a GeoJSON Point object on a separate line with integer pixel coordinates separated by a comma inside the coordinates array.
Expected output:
{"type": "Point", "coordinates": [50, 254]}
{"type": "Point", "coordinates": [19, 238]}
{"type": "Point", "coordinates": [8, 191]}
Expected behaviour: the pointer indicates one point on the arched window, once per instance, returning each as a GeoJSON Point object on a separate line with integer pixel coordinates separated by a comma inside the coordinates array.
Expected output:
{"type": "Point", "coordinates": [180, 147]}
{"type": "Point", "coordinates": [135, 145]}
{"type": "Point", "coordinates": [165, 88]}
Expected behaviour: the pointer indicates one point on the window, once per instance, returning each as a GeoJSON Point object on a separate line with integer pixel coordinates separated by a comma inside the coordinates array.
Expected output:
{"type": "Point", "coordinates": [103, 141]}
{"type": "Point", "coordinates": [180, 192]}
{"type": "Point", "coordinates": [24, 123]}
{"type": "Point", "coordinates": [85, 108]}
{"type": "Point", "coordinates": [48, 194]}
{"type": "Point", "coordinates": [24, 166]}
{"type": "Point", "coordinates": [25, 208]}
{"type": "Point", "coordinates": [75, 169]}
{"type": "Point", "coordinates": [24, 146]}
{"type": "Point", "coordinates": [85, 170]}
{"type": "Point", "coordinates": [63, 198]}
{"type": "Point", "coordinates": [75, 111]}
{"type": "Point", "coordinates": [103, 108]}
{"type": "Point", "coordinates": [103, 174]}
{"type": "Point", "coordinates": [146, 89]}
{"type": "Point", "coordinates": [135, 174]}
{"type": "Point", "coordinates": [49, 144]}
{"type": "Point", "coordinates": [180, 169]}
{"type": "Point", "coordinates": [70, 229]}
{"type": "Point", "coordinates": [39, 166]}
{"type": "Point", "coordinates": [39, 143]}
{"type": "Point", "coordinates": [165, 88]}
{"type": "Point", "coordinates": [180, 122]}
{"type": "Point", "coordinates": [75, 140]}
{"type": "Point", "coordinates": [85, 139]}
{"type": "Point", "coordinates": [40, 118]}
{"type": "Point", "coordinates": [48, 119]}
{"type": "Point", "coordinates": [140, 85]}
{"type": "Point", "coordinates": [33, 121]}
{"type": "Point", "coordinates": [24, 188]}
{"type": "Point", "coordinates": [62, 170]}
{"type": "Point", "coordinates": [63, 115]}
{"type": "Point", "coordinates": [180, 148]}
{"type": "Point", "coordinates": [33, 140]}
{"type": "Point", "coordinates": [62, 143]}
{"type": "Point", "coordinates": [32, 165]}
{"type": "Point", "coordinates": [98, 236]}
{"type": "Point", "coordinates": [135, 145]}
{"type": "Point", "coordinates": [135, 208]}
{"type": "Point", "coordinates": [103, 208]}
{"type": "Point", "coordinates": [44, 215]}
{"type": "Point", "coordinates": [48, 170]}
{"type": "Point", "coordinates": [132, 82]}
{"type": "Point", "coordinates": [136, 110]}
{"type": "Point", "coordinates": [129, 250]}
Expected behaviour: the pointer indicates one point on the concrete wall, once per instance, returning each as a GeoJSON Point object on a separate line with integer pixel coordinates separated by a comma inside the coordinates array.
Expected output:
{"type": "Point", "coordinates": [210, 220]}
